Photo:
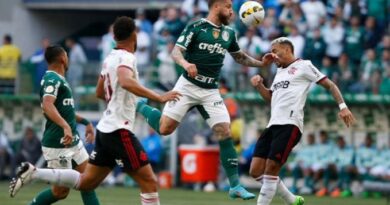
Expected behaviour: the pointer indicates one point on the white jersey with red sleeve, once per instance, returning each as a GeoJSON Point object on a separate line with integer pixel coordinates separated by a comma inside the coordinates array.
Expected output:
{"type": "Point", "coordinates": [121, 104]}
{"type": "Point", "coordinates": [289, 92]}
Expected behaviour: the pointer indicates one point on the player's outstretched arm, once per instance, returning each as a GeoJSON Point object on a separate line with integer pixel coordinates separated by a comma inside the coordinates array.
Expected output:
{"type": "Point", "coordinates": [345, 114]}
{"type": "Point", "coordinates": [52, 113]}
{"type": "Point", "coordinates": [246, 60]}
{"type": "Point", "coordinates": [128, 82]}
{"type": "Point", "coordinates": [257, 82]}
{"type": "Point", "coordinates": [178, 57]}
{"type": "Point", "coordinates": [89, 131]}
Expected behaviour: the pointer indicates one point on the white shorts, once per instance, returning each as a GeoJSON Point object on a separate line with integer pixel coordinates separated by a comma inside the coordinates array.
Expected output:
{"type": "Point", "coordinates": [61, 158]}
{"type": "Point", "coordinates": [208, 102]}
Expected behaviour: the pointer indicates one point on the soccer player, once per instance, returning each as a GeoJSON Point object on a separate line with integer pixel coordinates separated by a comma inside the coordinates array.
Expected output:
{"type": "Point", "coordinates": [61, 145]}
{"type": "Point", "coordinates": [200, 50]}
{"type": "Point", "coordinates": [115, 142]}
{"type": "Point", "coordinates": [287, 96]}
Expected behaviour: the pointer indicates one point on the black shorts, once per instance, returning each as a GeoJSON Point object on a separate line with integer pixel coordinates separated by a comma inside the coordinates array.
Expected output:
{"type": "Point", "coordinates": [120, 148]}
{"type": "Point", "coordinates": [276, 142]}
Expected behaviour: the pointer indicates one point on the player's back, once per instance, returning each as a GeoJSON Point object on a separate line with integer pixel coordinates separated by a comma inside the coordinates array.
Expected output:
{"type": "Point", "coordinates": [121, 104]}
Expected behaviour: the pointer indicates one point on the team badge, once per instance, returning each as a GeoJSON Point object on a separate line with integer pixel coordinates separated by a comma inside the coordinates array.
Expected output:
{"type": "Point", "coordinates": [181, 39]}
{"type": "Point", "coordinates": [225, 35]}
{"type": "Point", "coordinates": [292, 71]}
{"type": "Point", "coordinates": [49, 89]}
{"type": "Point", "coordinates": [216, 33]}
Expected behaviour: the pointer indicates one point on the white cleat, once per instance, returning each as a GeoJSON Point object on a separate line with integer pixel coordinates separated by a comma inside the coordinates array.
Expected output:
{"type": "Point", "coordinates": [23, 177]}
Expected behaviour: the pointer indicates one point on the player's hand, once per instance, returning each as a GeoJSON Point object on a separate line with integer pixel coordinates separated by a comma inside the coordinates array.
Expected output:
{"type": "Point", "coordinates": [89, 133]}
{"type": "Point", "coordinates": [191, 69]}
{"type": "Point", "coordinates": [67, 139]}
{"type": "Point", "coordinates": [257, 80]}
{"type": "Point", "coordinates": [347, 116]}
{"type": "Point", "coordinates": [170, 96]}
{"type": "Point", "coordinates": [268, 58]}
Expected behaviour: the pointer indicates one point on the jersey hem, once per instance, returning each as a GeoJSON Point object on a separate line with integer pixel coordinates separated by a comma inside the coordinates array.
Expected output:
{"type": "Point", "coordinates": [181, 46]}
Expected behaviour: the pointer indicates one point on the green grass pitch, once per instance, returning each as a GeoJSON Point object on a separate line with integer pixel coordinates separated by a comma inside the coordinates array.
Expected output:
{"type": "Point", "coordinates": [125, 195]}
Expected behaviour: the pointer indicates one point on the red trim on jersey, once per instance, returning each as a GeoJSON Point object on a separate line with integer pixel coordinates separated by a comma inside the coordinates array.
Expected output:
{"type": "Point", "coordinates": [290, 144]}
{"type": "Point", "coordinates": [323, 78]}
{"type": "Point", "coordinates": [298, 59]}
{"type": "Point", "coordinates": [126, 66]}
{"type": "Point", "coordinates": [269, 177]}
{"type": "Point", "coordinates": [131, 154]}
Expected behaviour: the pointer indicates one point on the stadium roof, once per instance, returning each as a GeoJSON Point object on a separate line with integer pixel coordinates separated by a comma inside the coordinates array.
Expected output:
{"type": "Point", "coordinates": [98, 4]}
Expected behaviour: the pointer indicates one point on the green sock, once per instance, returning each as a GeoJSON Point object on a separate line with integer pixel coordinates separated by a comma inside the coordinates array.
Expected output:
{"type": "Point", "coordinates": [89, 198]}
{"type": "Point", "coordinates": [152, 116]}
{"type": "Point", "coordinates": [229, 161]}
{"type": "Point", "coordinates": [44, 198]}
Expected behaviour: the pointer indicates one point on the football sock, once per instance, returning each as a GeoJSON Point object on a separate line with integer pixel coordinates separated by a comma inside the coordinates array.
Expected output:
{"type": "Point", "coordinates": [150, 199]}
{"type": "Point", "coordinates": [89, 198]}
{"type": "Point", "coordinates": [326, 178]}
{"type": "Point", "coordinates": [268, 190]}
{"type": "Point", "coordinates": [44, 198]}
{"type": "Point", "coordinates": [152, 116]}
{"type": "Point", "coordinates": [229, 161]}
{"type": "Point", "coordinates": [61, 177]}
{"type": "Point", "coordinates": [284, 193]}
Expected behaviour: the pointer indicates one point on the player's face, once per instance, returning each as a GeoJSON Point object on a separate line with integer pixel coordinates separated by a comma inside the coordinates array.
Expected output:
{"type": "Point", "coordinates": [280, 51]}
{"type": "Point", "coordinates": [225, 11]}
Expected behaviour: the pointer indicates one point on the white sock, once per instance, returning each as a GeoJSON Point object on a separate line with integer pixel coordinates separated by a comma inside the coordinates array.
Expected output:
{"type": "Point", "coordinates": [268, 190]}
{"type": "Point", "coordinates": [62, 177]}
{"type": "Point", "coordinates": [284, 193]}
{"type": "Point", "coordinates": [150, 199]}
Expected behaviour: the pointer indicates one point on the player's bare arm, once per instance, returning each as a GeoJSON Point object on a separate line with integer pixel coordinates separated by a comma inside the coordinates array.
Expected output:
{"type": "Point", "coordinates": [178, 57]}
{"type": "Point", "coordinates": [100, 89]}
{"type": "Point", "coordinates": [257, 82]}
{"type": "Point", "coordinates": [246, 60]}
{"type": "Point", "coordinates": [89, 131]}
{"type": "Point", "coordinates": [128, 82]}
{"type": "Point", "coordinates": [52, 113]}
{"type": "Point", "coordinates": [345, 114]}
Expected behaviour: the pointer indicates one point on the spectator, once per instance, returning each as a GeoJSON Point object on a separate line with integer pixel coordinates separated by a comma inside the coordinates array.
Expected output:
{"type": "Point", "coordinates": [333, 33]}
{"type": "Point", "coordinates": [10, 57]}
{"type": "Point", "coordinates": [160, 23]}
{"type": "Point", "coordinates": [314, 11]}
{"type": "Point", "coordinates": [193, 8]}
{"type": "Point", "coordinates": [29, 149]}
{"type": "Point", "coordinates": [144, 24]}
{"type": "Point", "coordinates": [143, 52]}
{"type": "Point", "coordinates": [348, 73]}
{"type": "Point", "coordinates": [38, 60]}
{"type": "Point", "coordinates": [385, 85]}
{"type": "Point", "coordinates": [383, 45]}
{"type": "Point", "coordinates": [166, 67]}
{"type": "Point", "coordinates": [372, 34]}
{"type": "Point", "coordinates": [369, 64]}
{"type": "Point", "coordinates": [153, 147]}
{"type": "Point", "coordinates": [268, 28]}
{"type": "Point", "coordinates": [107, 43]}
{"type": "Point", "coordinates": [6, 155]}
{"type": "Point", "coordinates": [77, 61]}
{"type": "Point", "coordinates": [378, 9]}
{"type": "Point", "coordinates": [297, 40]}
{"type": "Point", "coordinates": [354, 8]}
{"type": "Point", "coordinates": [173, 22]}
{"type": "Point", "coordinates": [354, 41]}
{"type": "Point", "coordinates": [286, 15]}
{"type": "Point", "coordinates": [330, 70]}
{"type": "Point", "coordinates": [315, 48]}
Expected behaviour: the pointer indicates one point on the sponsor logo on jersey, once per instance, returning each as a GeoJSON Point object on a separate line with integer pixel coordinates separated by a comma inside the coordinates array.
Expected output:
{"type": "Point", "coordinates": [68, 101]}
{"type": "Point", "coordinates": [216, 33]}
{"type": "Point", "coordinates": [213, 48]}
{"type": "Point", "coordinates": [188, 39]}
{"type": "Point", "coordinates": [181, 39]}
{"type": "Point", "coordinates": [218, 103]}
{"type": "Point", "coordinates": [292, 70]}
{"type": "Point", "coordinates": [119, 162]}
{"type": "Point", "coordinates": [204, 79]}
{"type": "Point", "coordinates": [281, 84]}
{"type": "Point", "coordinates": [225, 35]}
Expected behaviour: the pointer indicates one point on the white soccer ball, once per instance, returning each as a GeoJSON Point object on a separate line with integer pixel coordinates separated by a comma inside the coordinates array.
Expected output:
{"type": "Point", "coordinates": [252, 13]}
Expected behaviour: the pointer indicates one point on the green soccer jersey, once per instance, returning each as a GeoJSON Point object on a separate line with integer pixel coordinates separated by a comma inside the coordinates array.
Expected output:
{"type": "Point", "coordinates": [206, 45]}
{"type": "Point", "coordinates": [55, 85]}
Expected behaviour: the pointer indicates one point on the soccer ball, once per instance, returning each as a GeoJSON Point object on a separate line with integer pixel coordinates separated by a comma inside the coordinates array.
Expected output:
{"type": "Point", "coordinates": [252, 13]}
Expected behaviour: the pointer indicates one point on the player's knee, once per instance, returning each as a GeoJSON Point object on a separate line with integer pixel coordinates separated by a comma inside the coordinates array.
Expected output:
{"type": "Point", "coordinates": [255, 173]}
{"type": "Point", "coordinates": [222, 131]}
{"type": "Point", "coordinates": [60, 193]}
{"type": "Point", "coordinates": [166, 129]}
{"type": "Point", "coordinates": [87, 184]}
{"type": "Point", "coordinates": [151, 183]}
{"type": "Point", "coordinates": [272, 167]}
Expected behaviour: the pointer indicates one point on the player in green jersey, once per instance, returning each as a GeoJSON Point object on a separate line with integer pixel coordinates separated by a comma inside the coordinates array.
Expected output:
{"type": "Point", "coordinates": [200, 50]}
{"type": "Point", "coordinates": [61, 145]}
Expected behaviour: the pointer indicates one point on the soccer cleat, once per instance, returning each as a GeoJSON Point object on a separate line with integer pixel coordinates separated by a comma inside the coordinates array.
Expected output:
{"type": "Point", "coordinates": [299, 200]}
{"type": "Point", "coordinates": [140, 103]}
{"type": "Point", "coordinates": [322, 192]}
{"type": "Point", "coordinates": [240, 192]}
{"type": "Point", "coordinates": [346, 193]}
{"type": "Point", "coordinates": [23, 177]}
{"type": "Point", "coordinates": [335, 193]}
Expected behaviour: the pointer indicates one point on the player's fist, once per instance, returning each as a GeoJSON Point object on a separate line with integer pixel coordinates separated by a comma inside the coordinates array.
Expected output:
{"type": "Point", "coordinates": [191, 69]}
{"type": "Point", "coordinates": [67, 139]}
{"type": "Point", "coordinates": [89, 133]}
{"type": "Point", "coordinates": [347, 116]}
{"type": "Point", "coordinates": [170, 96]}
{"type": "Point", "coordinates": [256, 80]}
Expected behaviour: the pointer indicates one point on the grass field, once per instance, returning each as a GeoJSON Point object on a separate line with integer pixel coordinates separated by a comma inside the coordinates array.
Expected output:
{"type": "Point", "coordinates": [130, 196]}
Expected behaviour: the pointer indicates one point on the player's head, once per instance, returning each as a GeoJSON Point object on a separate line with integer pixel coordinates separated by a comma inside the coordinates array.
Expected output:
{"type": "Point", "coordinates": [223, 9]}
{"type": "Point", "coordinates": [56, 55]}
{"type": "Point", "coordinates": [124, 30]}
{"type": "Point", "coordinates": [284, 49]}
{"type": "Point", "coordinates": [7, 39]}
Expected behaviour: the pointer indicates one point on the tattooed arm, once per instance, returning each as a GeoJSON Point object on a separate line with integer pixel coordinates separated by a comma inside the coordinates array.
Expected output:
{"type": "Point", "coordinates": [244, 59]}
{"type": "Point", "coordinates": [178, 57]}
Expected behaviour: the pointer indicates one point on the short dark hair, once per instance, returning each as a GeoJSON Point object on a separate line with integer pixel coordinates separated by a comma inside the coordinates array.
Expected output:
{"type": "Point", "coordinates": [212, 2]}
{"type": "Point", "coordinates": [52, 53]}
{"type": "Point", "coordinates": [284, 41]}
{"type": "Point", "coordinates": [8, 38]}
{"type": "Point", "coordinates": [123, 28]}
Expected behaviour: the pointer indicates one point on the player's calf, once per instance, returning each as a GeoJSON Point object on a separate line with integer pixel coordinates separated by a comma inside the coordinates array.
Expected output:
{"type": "Point", "coordinates": [60, 192]}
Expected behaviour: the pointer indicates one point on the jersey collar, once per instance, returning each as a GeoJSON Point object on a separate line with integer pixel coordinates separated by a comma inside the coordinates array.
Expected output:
{"type": "Point", "coordinates": [213, 24]}
{"type": "Point", "coordinates": [52, 71]}
{"type": "Point", "coordinates": [298, 59]}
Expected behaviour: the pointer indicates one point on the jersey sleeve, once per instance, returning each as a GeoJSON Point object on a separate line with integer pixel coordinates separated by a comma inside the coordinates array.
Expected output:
{"type": "Point", "coordinates": [234, 47]}
{"type": "Point", "coordinates": [313, 74]}
{"type": "Point", "coordinates": [186, 37]}
{"type": "Point", "coordinates": [51, 86]}
{"type": "Point", "coordinates": [127, 61]}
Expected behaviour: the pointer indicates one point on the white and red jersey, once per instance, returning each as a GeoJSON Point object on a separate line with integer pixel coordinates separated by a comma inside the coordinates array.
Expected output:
{"type": "Point", "coordinates": [289, 92]}
{"type": "Point", "coordinates": [121, 104]}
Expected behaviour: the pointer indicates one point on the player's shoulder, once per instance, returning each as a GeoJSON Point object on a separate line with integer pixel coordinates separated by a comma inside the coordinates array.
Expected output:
{"type": "Point", "coordinates": [199, 23]}
{"type": "Point", "coordinates": [51, 75]}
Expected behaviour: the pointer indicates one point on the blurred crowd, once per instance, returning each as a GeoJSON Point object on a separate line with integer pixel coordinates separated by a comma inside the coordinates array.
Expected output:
{"type": "Point", "coordinates": [348, 40]}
